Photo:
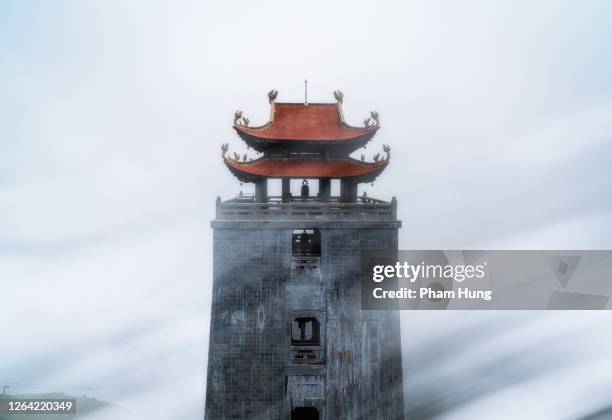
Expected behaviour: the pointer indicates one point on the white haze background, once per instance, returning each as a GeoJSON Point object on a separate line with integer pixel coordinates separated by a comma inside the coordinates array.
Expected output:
{"type": "Point", "coordinates": [112, 113]}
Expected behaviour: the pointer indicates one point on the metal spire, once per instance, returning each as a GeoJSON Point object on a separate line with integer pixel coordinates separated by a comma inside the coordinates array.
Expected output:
{"type": "Point", "coordinates": [305, 92]}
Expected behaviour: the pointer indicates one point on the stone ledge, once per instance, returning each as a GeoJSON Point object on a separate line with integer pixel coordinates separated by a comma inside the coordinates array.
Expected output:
{"type": "Point", "coordinates": [304, 369]}
{"type": "Point", "coordinates": [305, 224]}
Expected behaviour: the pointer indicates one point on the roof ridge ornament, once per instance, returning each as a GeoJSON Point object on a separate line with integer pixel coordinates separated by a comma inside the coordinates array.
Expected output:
{"type": "Point", "coordinates": [377, 157]}
{"type": "Point", "coordinates": [339, 96]}
{"type": "Point", "coordinates": [373, 116]}
{"type": "Point", "coordinates": [236, 158]}
{"type": "Point", "coordinates": [387, 150]}
{"type": "Point", "coordinates": [272, 95]}
{"type": "Point", "coordinates": [240, 120]}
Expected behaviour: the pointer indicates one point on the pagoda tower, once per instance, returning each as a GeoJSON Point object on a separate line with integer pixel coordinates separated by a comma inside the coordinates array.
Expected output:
{"type": "Point", "coordinates": [289, 338]}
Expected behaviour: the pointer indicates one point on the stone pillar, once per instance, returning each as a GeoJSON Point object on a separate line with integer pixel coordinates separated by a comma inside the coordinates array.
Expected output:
{"type": "Point", "coordinates": [261, 190]}
{"type": "Point", "coordinates": [286, 190]}
{"type": "Point", "coordinates": [348, 191]}
{"type": "Point", "coordinates": [325, 190]}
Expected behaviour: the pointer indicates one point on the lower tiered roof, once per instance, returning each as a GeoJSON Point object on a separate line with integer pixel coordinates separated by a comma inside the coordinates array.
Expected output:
{"type": "Point", "coordinates": [306, 169]}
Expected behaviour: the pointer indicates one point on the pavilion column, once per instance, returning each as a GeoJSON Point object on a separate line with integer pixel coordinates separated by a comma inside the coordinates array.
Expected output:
{"type": "Point", "coordinates": [286, 190]}
{"type": "Point", "coordinates": [325, 190]}
{"type": "Point", "coordinates": [348, 190]}
{"type": "Point", "coordinates": [261, 190]}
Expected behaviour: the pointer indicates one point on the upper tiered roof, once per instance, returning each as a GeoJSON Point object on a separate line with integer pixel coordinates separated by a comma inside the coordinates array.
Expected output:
{"type": "Point", "coordinates": [317, 124]}
{"type": "Point", "coordinates": [305, 123]}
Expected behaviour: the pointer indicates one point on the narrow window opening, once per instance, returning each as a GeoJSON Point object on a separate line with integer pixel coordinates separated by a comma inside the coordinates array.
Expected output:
{"type": "Point", "coordinates": [306, 242]}
{"type": "Point", "coordinates": [305, 332]}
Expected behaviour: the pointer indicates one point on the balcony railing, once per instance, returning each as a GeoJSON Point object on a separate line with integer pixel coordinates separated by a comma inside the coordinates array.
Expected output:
{"type": "Point", "coordinates": [250, 198]}
{"type": "Point", "coordinates": [245, 208]}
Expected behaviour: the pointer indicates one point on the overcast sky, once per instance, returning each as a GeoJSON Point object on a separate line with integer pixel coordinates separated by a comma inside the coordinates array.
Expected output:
{"type": "Point", "coordinates": [112, 113]}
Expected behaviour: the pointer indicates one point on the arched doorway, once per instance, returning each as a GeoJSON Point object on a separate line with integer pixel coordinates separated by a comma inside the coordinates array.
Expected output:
{"type": "Point", "coordinates": [305, 413]}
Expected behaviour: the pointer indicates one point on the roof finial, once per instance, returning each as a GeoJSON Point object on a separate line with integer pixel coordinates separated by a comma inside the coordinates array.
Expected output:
{"type": "Point", "coordinates": [305, 92]}
{"type": "Point", "coordinates": [339, 96]}
{"type": "Point", "coordinates": [272, 95]}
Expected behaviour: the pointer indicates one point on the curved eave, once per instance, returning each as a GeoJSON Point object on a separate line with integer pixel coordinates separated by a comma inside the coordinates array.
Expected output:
{"type": "Point", "coordinates": [359, 137]}
{"type": "Point", "coordinates": [306, 169]}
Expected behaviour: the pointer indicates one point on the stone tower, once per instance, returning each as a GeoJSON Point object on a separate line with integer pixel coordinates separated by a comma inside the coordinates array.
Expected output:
{"type": "Point", "coordinates": [288, 336]}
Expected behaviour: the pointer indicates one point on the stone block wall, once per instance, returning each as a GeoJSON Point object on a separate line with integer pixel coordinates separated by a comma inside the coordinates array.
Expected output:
{"type": "Point", "coordinates": [255, 297]}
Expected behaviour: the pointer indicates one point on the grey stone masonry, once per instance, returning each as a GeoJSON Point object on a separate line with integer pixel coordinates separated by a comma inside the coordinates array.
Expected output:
{"type": "Point", "coordinates": [261, 289]}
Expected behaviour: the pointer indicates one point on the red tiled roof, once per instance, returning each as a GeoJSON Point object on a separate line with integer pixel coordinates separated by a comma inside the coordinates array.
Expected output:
{"type": "Point", "coordinates": [313, 122]}
{"type": "Point", "coordinates": [304, 168]}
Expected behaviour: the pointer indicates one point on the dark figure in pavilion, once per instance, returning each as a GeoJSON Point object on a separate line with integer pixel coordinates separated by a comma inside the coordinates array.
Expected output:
{"type": "Point", "coordinates": [305, 189]}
